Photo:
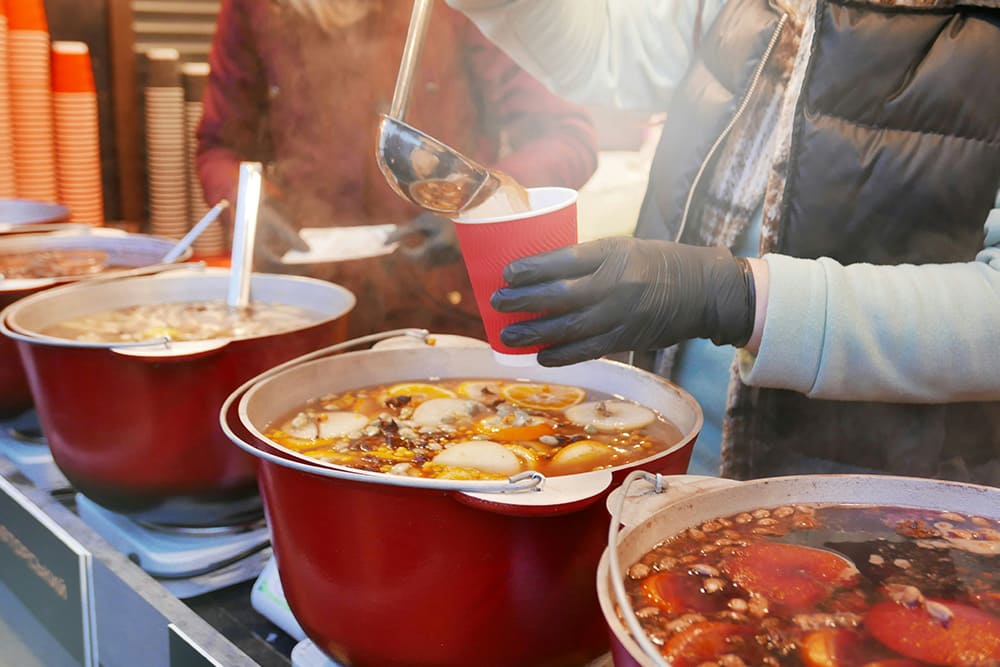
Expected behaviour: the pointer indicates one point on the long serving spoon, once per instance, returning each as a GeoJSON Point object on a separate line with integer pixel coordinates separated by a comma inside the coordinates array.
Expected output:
{"type": "Point", "coordinates": [418, 167]}
{"type": "Point", "coordinates": [248, 196]}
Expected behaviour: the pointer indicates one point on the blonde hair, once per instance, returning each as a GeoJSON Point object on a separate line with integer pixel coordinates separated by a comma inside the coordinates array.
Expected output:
{"type": "Point", "coordinates": [332, 15]}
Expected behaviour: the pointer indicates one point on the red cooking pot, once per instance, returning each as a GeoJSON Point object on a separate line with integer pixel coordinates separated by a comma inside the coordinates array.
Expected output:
{"type": "Point", "coordinates": [131, 250]}
{"type": "Point", "coordinates": [134, 427]}
{"type": "Point", "coordinates": [652, 509]}
{"type": "Point", "coordinates": [384, 570]}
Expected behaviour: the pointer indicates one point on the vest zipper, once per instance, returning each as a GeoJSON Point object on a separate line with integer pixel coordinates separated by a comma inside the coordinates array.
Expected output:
{"type": "Point", "coordinates": [744, 103]}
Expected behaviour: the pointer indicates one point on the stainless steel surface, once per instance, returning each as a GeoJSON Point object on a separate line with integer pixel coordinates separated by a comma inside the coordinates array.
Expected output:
{"type": "Point", "coordinates": [27, 211]}
{"type": "Point", "coordinates": [418, 167]}
{"type": "Point", "coordinates": [412, 48]}
{"type": "Point", "coordinates": [430, 173]}
{"type": "Point", "coordinates": [248, 196]}
{"type": "Point", "coordinates": [196, 231]}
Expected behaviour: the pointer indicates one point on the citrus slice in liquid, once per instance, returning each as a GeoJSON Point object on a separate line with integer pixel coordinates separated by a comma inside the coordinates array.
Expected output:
{"type": "Point", "coordinates": [543, 396]}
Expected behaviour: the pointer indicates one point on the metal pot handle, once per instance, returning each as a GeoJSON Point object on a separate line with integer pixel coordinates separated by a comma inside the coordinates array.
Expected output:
{"type": "Point", "coordinates": [614, 565]}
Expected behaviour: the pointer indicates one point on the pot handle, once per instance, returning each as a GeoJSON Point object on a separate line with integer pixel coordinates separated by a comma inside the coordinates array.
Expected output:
{"type": "Point", "coordinates": [562, 495]}
{"type": "Point", "coordinates": [666, 489]}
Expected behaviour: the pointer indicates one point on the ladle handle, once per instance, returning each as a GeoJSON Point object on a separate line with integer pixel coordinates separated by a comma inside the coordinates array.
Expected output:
{"type": "Point", "coordinates": [248, 196]}
{"type": "Point", "coordinates": [414, 45]}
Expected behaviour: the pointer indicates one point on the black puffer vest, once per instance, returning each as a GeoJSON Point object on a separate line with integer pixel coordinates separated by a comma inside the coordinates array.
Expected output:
{"type": "Point", "coordinates": [895, 157]}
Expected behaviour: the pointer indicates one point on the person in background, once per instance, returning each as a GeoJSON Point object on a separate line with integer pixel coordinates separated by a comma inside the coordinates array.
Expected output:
{"type": "Point", "coordinates": [810, 128]}
{"type": "Point", "coordinates": [299, 85]}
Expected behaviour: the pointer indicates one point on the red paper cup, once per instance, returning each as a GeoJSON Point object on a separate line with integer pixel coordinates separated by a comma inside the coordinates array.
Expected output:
{"type": "Point", "coordinates": [490, 244]}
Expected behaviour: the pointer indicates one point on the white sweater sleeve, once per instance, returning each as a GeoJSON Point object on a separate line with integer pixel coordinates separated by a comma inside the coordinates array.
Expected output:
{"type": "Point", "coordinates": [920, 334]}
{"type": "Point", "coordinates": [628, 54]}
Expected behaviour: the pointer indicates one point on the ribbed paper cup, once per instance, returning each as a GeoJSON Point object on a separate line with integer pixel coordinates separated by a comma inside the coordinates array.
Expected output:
{"type": "Point", "coordinates": [211, 242]}
{"type": "Point", "coordinates": [8, 181]}
{"type": "Point", "coordinates": [29, 71]}
{"type": "Point", "coordinates": [489, 244]}
{"type": "Point", "coordinates": [78, 144]}
{"type": "Point", "coordinates": [166, 156]}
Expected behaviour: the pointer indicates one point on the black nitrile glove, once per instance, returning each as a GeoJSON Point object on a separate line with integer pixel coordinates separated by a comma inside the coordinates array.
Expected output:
{"type": "Point", "coordinates": [439, 244]}
{"type": "Point", "coordinates": [275, 236]}
{"type": "Point", "coordinates": [619, 294]}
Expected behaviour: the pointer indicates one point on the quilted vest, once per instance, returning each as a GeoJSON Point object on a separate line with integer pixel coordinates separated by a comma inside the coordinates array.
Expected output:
{"type": "Point", "coordinates": [894, 157]}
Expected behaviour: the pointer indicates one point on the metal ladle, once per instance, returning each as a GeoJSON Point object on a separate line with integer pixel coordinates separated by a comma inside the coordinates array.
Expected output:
{"type": "Point", "coordinates": [418, 167]}
{"type": "Point", "coordinates": [248, 196]}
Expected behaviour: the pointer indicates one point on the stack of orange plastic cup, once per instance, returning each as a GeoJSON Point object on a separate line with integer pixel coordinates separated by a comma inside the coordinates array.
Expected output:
{"type": "Point", "coordinates": [78, 144]}
{"type": "Point", "coordinates": [8, 182]}
{"type": "Point", "coordinates": [28, 65]}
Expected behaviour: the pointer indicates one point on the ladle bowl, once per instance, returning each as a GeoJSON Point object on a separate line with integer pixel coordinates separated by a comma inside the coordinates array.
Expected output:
{"type": "Point", "coordinates": [429, 173]}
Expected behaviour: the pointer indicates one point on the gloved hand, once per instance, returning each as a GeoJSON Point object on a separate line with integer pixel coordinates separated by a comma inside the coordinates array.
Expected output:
{"type": "Point", "coordinates": [619, 294]}
{"type": "Point", "coordinates": [439, 244]}
{"type": "Point", "coordinates": [275, 236]}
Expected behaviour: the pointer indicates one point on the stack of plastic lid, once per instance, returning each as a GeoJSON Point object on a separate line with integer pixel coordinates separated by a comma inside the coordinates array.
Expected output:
{"type": "Point", "coordinates": [28, 66]}
{"type": "Point", "coordinates": [166, 157]}
{"type": "Point", "coordinates": [212, 241]}
{"type": "Point", "coordinates": [78, 144]}
{"type": "Point", "coordinates": [8, 184]}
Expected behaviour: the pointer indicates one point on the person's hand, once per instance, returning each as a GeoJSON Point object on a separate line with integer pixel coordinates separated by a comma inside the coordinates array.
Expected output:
{"type": "Point", "coordinates": [438, 243]}
{"type": "Point", "coordinates": [619, 294]}
{"type": "Point", "coordinates": [274, 237]}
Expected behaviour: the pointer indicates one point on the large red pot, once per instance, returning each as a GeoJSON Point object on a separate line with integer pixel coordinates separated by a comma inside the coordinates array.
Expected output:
{"type": "Point", "coordinates": [136, 428]}
{"type": "Point", "coordinates": [651, 515]}
{"type": "Point", "coordinates": [123, 249]}
{"type": "Point", "coordinates": [382, 570]}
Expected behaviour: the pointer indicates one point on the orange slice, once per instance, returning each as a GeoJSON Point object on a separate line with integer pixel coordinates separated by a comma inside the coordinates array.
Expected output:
{"type": "Point", "coordinates": [501, 428]}
{"type": "Point", "coordinates": [418, 391]}
{"type": "Point", "coordinates": [543, 396]}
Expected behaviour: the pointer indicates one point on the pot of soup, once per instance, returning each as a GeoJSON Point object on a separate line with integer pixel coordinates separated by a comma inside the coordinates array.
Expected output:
{"type": "Point", "coordinates": [810, 571]}
{"type": "Point", "coordinates": [32, 263]}
{"type": "Point", "coordinates": [434, 508]}
{"type": "Point", "coordinates": [128, 377]}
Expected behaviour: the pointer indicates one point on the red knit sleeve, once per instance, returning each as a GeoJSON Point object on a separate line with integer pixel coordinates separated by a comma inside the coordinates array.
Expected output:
{"type": "Point", "coordinates": [549, 140]}
{"type": "Point", "coordinates": [234, 103]}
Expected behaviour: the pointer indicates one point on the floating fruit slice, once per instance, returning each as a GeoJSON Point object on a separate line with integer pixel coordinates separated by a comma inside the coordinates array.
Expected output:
{"type": "Point", "coordinates": [789, 574]}
{"type": "Point", "coordinates": [830, 647]}
{"type": "Point", "coordinates": [543, 396]}
{"type": "Point", "coordinates": [324, 425]}
{"type": "Point", "coordinates": [480, 390]}
{"type": "Point", "coordinates": [938, 632]}
{"type": "Point", "coordinates": [482, 455]}
{"type": "Point", "coordinates": [611, 416]}
{"type": "Point", "coordinates": [582, 456]}
{"type": "Point", "coordinates": [893, 662]}
{"type": "Point", "coordinates": [706, 642]}
{"type": "Point", "coordinates": [679, 593]}
{"type": "Point", "coordinates": [513, 427]}
{"type": "Point", "coordinates": [438, 412]}
{"type": "Point", "coordinates": [418, 391]}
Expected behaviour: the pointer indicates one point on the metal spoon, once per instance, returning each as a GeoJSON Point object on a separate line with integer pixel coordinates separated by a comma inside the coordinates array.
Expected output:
{"type": "Point", "coordinates": [248, 195]}
{"type": "Point", "coordinates": [178, 249]}
{"type": "Point", "coordinates": [418, 167]}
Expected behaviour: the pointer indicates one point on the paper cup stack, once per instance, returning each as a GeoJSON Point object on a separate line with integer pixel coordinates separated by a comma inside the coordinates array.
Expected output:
{"type": "Point", "coordinates": [166, 156]}
{"type": "Point", "coordinates": [212, 241]}
{"type": "Point", "coordinates": [78, 144]}
{"type": "Point", "coordinates": [8, 183]}
{"type": "Point", "coordinates": [28, 63]}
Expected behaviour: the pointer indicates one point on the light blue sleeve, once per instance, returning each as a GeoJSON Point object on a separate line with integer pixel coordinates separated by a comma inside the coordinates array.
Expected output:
{"type": "Point", "coordinates": [921, 334]}
{"type": "Point", "coordinates": [627, 54]}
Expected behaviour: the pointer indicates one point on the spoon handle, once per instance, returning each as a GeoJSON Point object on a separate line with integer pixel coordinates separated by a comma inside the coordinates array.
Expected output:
{"type": "Point", "coordinates": [248, 195]}
{"type": "Point", "coordinates": [189, 238]}
{"type": "Point", "coordinates": [419, 18]}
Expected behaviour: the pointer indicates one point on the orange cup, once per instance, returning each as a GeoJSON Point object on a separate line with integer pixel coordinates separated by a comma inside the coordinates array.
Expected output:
{"type": "Point", "coordinates": [26, 15]}
{"type": "Point", "coordinates": [71, 68]}
{"type": "Point", "coordinates": [489, 244]}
